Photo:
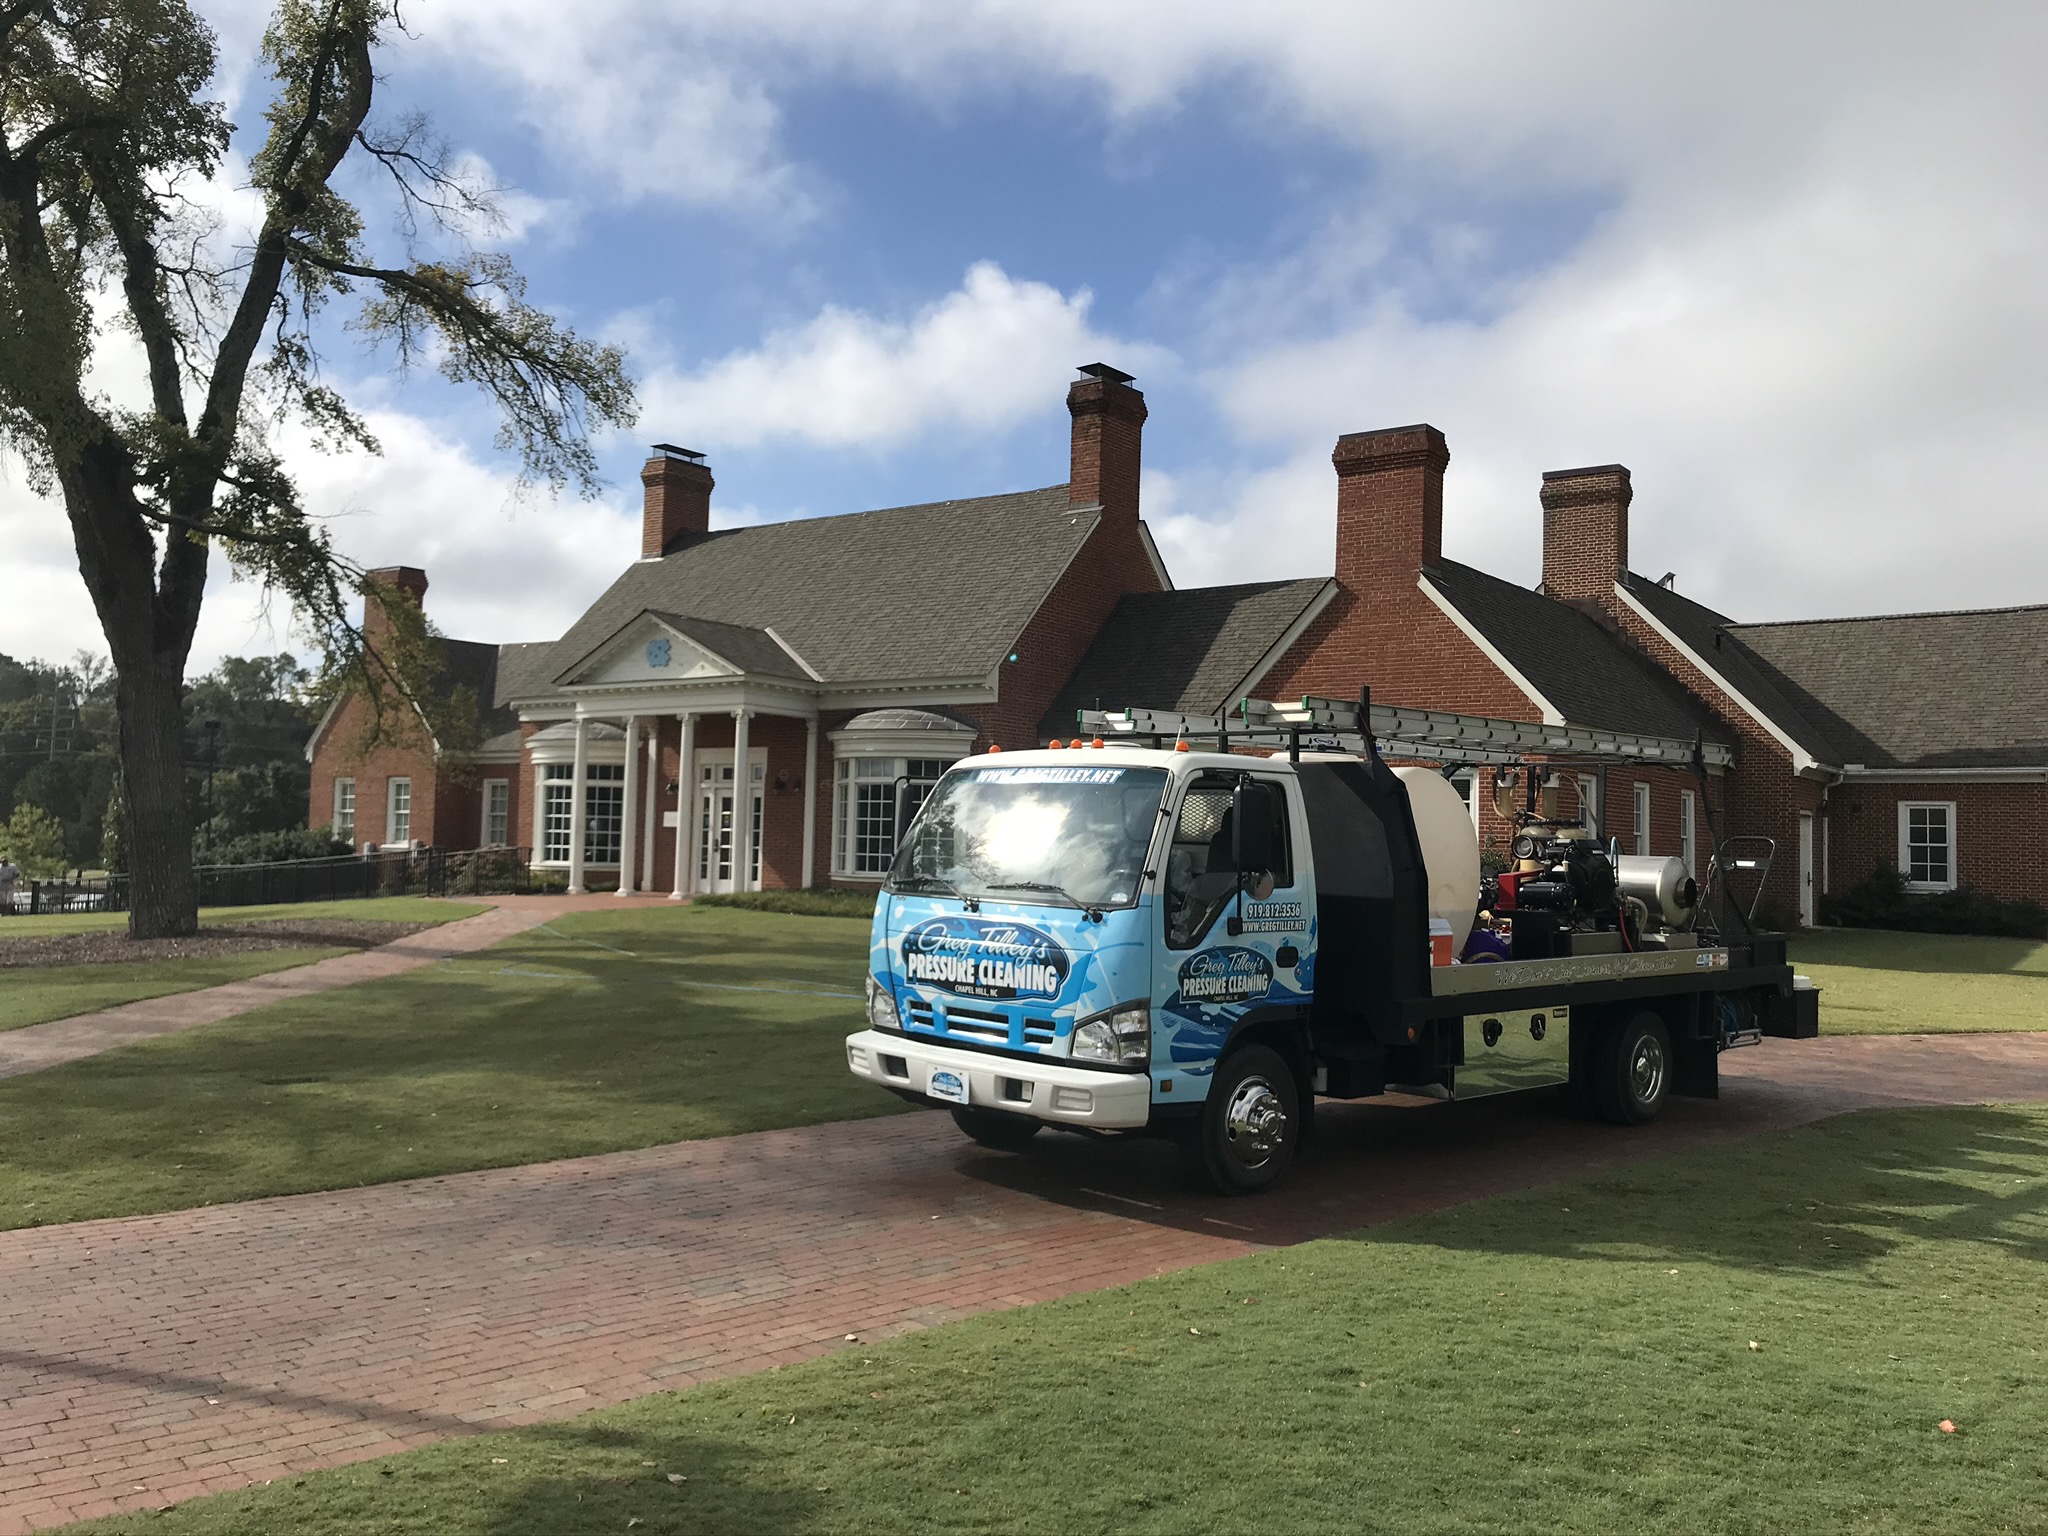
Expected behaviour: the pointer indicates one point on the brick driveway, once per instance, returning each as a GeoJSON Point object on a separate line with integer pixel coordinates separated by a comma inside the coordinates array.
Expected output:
{"type": "Point", "coordinates": [153, 1358]}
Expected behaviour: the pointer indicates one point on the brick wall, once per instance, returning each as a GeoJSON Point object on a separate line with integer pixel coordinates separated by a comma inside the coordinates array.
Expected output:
{"type": "Point", "coordinates": [410, 754]}
{"type": "Point", "coordinates": [2001, 833]}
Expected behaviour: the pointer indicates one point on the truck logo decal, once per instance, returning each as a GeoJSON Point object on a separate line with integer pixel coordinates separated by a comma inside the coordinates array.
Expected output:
{"type": "Point", "coordinates": [1225, 976]}
{"type": "Point", "coordinates": [975, 958]}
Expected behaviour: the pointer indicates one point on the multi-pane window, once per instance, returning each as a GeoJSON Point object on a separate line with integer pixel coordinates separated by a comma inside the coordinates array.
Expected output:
{"type": "Point", "coordinates": [1642, 818]}
{"type": "Point", "coordinates": [1589, 804]}
{"type": "Point", "coordinates": [604, 804]}
{"type": "Point", "coordinates": [345, 810]}
{"type": "Point", "coordinates": [604, 811]}
{"type": "Point", "coordinates": [864, 808]}
{"type": "Point", "coordinates": [1688, 839]}
{"type": "Point", "coordinates": [497, 812]}
{"type": "Point", "coordinates": [398, 811]}
{"type": "Point", "coordinates": [1466, 782]}
{"type": "Point", "coordinates": [1927, 843]}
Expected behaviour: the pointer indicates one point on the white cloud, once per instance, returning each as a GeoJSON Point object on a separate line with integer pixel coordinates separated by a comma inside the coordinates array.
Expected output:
{"type": "Point", "coordinates": [979, 359]}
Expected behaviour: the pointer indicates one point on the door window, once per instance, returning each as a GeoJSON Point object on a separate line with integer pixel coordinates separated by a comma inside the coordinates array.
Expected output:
{"type": "Point", "coordinates": [1201, 872]}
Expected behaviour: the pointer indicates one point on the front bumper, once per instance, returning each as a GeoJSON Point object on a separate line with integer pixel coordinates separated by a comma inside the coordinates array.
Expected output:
{"type": "Point", "coordinates": [1040, 1090]}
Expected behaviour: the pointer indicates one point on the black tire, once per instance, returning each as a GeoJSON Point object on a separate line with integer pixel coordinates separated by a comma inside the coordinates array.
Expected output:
{"type": "Point", "coordinates": [993, 1129]}
{"type": "Point", "coordinates": [1632, 1069]}
{"type": "Point", "coordinates": [1251, 1123]}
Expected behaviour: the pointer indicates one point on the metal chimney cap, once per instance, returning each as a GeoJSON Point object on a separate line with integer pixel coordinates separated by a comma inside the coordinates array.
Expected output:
{"type": "Point", "coordinates": [671, 451]}
{"type": "Point", "coordinates": [1107, 374]}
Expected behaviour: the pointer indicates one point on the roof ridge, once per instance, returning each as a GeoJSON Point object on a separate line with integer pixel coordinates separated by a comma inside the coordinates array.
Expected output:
{"type": "Point", "coordinates": [1881, 618]}
{"type": "Point", "coordinates": [694, 541]}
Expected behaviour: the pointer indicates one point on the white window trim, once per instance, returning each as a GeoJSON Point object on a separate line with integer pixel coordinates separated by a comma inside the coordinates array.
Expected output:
{"type": "Point", "coordinates": [1688, 831]}
{"type": "Point", "coordinates": [391, 810]}
{"type": "Point", "coordinates": [1905, 864]}
{"type": "Point", "coordinates": [1640, 823]}
{"type": "Point", "coordinates": [1589, 804]}
{"type": "Point", "coordinates": [1469, 776]}
{"type": "Point", "coordinates": [484, 829]}
{"type": "Point", "coordinates": [541, 781]}
{"type": "Point", "coordinates": [946, 754]}
{"type": "Point", "coordinates": [334, 824]}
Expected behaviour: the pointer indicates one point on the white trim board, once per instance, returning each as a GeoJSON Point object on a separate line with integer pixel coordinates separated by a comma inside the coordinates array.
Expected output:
{"type": "Point", "coordinates": [1802, 760]}
{"type": "Point", "coordinates": [1551, 714]}
{"type": "Point", "coordinates": [1277, 651]}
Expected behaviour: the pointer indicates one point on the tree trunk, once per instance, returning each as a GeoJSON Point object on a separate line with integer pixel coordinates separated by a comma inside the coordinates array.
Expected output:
{"type": "Point", "coordinates": [163, 899]}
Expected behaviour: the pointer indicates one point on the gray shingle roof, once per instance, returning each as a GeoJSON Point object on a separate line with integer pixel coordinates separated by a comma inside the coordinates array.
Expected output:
{"type": "Point", "coordinates": [1183, 650]}
{"type": "Point", "coordinates": [931, 591]}
{"type": "Point", "coordinates": [523, 674]}
{"type": "Point", "coordinates": [1591, 674]}
{"type": "Point", "coordinates": [1708, 635]}
{"type": "Point", "coordinates": [1919, 690]}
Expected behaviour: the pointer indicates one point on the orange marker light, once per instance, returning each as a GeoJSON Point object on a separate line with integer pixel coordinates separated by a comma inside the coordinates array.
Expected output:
{"type": "Point", "coordinates": [1181, 746]}
{"type": "Point", "coordinates": [995, 748]}
{"type": "Point", "coordinates": [1056, 743]}
{"type": "Point", "coordinates": [1096, 742]}
{"type": "Point", "coordinates": [1076, 744]}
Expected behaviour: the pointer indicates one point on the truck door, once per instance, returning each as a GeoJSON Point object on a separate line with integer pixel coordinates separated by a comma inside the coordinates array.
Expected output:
{"type": "Point", "coordinates": [1207, 978]}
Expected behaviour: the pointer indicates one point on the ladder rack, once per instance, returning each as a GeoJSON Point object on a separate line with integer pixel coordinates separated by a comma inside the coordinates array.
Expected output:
{"type": "Point", "coordinates": [1396, 731]}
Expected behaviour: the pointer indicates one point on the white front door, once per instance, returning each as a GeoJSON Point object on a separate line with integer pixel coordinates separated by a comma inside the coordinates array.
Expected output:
{"type": "Point", "coordinates": [718, 828]}
{"type": "Point", "coordinates": [1806, 912]}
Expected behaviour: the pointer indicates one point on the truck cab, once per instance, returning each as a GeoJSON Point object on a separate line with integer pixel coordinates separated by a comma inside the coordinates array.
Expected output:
{"type": "Point", "coordinates": [1119, 938]}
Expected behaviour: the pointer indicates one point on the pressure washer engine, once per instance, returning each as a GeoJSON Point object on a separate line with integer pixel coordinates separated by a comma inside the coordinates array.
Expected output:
{"type": "Point", "coordinates": [1568, 895]}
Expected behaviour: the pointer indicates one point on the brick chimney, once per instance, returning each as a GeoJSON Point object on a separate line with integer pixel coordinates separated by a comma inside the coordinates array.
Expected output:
{"type": "Point", "coordinates": [1390, 505]}
{"type": "Point", "coordinates": [675, 499]}
{"type": "Point", "coordinates": [1109, 425]}
{"type": "Point", "coordinates": [1585, 532]}
{"type": "Point", "coordinates": [405, 581]}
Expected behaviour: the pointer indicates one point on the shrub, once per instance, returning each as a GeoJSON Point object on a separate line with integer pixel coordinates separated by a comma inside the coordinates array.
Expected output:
{"type": "Point", "coordinates": [818, 901]}
{"type": "Point", "coordinates": [273, 847]}
{"type": "Point", "coordinates": [35, 838]}
{"type": "Point", "coordinates": [1881, 900]}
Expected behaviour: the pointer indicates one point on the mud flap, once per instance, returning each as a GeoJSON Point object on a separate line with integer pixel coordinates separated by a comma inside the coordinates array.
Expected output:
{"type": "Point", "coordinates": [1696, 1073]}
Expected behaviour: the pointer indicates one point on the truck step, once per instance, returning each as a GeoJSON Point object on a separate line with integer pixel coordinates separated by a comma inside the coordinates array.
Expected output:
{"type": "Point", "coordinates": [1736, 1038]}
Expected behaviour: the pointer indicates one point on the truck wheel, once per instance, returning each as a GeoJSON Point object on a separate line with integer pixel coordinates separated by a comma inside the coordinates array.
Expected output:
{"type": "Point", "coordinates": [1250, 1124]}
{"type": "Point", "coordinates": [1632, 1070]}
{"type": "Point", "coordinates": [993, 1129]}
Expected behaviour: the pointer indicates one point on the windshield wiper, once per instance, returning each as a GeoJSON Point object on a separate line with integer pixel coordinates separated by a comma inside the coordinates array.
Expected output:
{"type": "Point", "coordinates": [971, 903]}
{"type": "Point", "coordinates": [1088, 908]}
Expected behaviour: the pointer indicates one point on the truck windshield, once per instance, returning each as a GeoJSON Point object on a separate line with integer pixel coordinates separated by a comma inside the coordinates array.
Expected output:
{"type": "Point", "coordinates": [1066, 835]}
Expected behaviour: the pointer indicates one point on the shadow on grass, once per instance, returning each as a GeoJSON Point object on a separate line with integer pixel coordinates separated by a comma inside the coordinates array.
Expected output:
{"type": "Point", "coordinates": [1925, 953]}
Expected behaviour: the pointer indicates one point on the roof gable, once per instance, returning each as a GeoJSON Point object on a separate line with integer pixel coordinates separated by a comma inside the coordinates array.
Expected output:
{"type": "Point", "coordinates": [936, 591]}
{"type": "Point", "coordinates": [676, 648]}
{"type": "Point", "coordinates": [1581, 666]}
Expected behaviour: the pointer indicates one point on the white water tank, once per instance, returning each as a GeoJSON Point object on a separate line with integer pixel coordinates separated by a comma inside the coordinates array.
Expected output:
{"type": "Point", "coordinates": [1450, 849]}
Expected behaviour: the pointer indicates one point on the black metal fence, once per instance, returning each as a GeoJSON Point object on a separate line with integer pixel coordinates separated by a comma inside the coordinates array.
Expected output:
{"type": "Point", "coordinates": [392, 872]}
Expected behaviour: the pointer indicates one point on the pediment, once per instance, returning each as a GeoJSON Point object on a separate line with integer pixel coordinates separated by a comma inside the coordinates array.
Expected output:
{"type": "Point", "coordinates": [649, 651]}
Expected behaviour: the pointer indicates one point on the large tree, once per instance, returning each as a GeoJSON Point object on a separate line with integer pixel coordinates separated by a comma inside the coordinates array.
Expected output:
{"type": "Point", "coordinates": [107, 139]}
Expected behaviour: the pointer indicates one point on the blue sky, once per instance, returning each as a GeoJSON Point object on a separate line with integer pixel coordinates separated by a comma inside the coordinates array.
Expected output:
{"type": "Point", "coordinates": [1783, 264]}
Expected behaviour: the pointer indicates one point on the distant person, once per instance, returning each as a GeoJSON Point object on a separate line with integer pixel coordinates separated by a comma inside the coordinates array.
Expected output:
{"type": "Point", "coordinates": [10, 876]}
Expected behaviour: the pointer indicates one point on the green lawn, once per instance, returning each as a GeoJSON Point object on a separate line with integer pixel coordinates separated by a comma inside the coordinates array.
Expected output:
{"type": "Point", "coordinates": [37, 994]}
{"type": "Point", "coordinates": [554, 1044]}
{"type": "Point", "coordinates": [1923, 983]}
{"type": "Point", "coordinates": [1759, 1337]}
{"type": "Point", "coordinates": [383, 909]}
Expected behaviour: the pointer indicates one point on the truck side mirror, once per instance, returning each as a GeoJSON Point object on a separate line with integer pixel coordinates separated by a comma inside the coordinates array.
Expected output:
{"type": "Point", "coordinates": [906, 812]}
{"type": "Point", "coordinates": [1253, 814]}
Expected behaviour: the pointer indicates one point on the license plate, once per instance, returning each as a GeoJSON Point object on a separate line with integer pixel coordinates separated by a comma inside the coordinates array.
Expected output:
{"type": "Point", "coordinates": [950, 1086]}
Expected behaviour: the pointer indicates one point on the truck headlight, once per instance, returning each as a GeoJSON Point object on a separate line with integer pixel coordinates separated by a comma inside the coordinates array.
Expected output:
{"type": "Point", "coordinates": [881, 1006]}
{"type": "Point", "coordinates": [1121, 1036]}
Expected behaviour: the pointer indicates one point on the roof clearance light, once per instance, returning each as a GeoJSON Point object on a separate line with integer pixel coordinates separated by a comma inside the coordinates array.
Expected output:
{"type": "Point", "coordinates": [1181, 746]}
{"type": "Point", "coordinates": [1056, 744]}
{"type": "Point", "coordinates": [995, 747]}
{"type": "Point", "coordinates": [1076, 744]}
{"type": "Point", "coordinates": [1096, 742]}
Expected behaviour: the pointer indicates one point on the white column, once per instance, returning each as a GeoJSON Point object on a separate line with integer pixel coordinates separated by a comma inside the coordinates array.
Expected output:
{"type": "Point", "coordinates": [629, 809]}
{"type": "Point", "coordinates": [742, 802]}
{"type": "Point", "coordinates": [810, 801]}
{"type": "Point", "coordinates": [650, 805]}
{"type": "Point", "coordinates": [579, 813]}
{"type": "Point", "coordinates": [686, 806]}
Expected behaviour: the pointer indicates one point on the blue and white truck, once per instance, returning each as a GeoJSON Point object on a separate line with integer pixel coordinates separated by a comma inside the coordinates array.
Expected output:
{"type": "Point", "coordinates": [1131, 934]}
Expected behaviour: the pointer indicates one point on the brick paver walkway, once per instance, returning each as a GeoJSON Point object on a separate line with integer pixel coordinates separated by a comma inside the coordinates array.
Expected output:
{"type": "Point", "coordinates": [153, 1358]}
{"type": "Point", "coordinates": [87, 1034]}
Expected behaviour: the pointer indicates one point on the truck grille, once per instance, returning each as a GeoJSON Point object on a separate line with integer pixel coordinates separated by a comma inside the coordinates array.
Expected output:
{"type": "Point", "coordinates": [1038, 1031]}
{"type": "Point", "coordinates": [981, 1026]}
{"type": "Point", "coordinates": [919, 1013]}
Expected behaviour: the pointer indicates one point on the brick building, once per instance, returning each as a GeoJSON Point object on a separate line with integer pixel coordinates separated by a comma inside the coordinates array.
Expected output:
{"type": "Point", "coordinates": [839, 658]}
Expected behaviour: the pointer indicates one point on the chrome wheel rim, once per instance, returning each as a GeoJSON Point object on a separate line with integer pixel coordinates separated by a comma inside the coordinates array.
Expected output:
{"type": "Point", "coordinates": [1255, 1123]}
{"type": "Point", "coordinates": [1646, 1069]}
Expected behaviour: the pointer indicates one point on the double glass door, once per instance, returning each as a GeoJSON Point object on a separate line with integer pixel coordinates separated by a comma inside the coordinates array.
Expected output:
{"type": "Point", "coordinates": [718, 804]}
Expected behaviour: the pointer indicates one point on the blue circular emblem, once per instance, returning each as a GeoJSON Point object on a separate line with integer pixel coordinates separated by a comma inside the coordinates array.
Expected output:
{"type": "Point", "coordinates": [657, 653]}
